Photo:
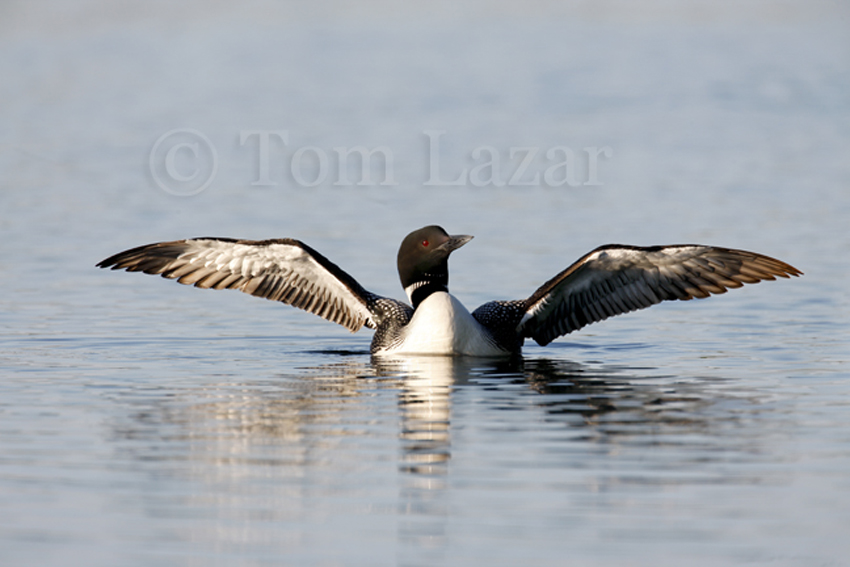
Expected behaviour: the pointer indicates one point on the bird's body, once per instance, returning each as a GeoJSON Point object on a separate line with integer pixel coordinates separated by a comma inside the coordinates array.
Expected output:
{"type": "Point", "coordinates": [610, 280]}
{"type": "Point", "coordinates": [442, 325]}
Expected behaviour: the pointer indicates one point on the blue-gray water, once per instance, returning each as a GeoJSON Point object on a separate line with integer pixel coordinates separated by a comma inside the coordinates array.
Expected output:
{"type": "Point", "coordinates": [147, 423]}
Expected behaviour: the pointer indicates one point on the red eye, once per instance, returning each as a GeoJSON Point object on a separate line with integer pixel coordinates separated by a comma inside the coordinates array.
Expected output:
{"type": "Point", "coordinates": [425, 243]}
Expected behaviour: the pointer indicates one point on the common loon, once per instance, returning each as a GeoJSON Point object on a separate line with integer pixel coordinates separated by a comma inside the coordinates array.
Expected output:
{"type": "Point", "coordinates": [608, 281]}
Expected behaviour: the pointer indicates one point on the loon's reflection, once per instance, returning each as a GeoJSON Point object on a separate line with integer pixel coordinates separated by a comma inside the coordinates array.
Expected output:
{"type": "Point", "coordinates": [425, 397]}
{"type": "Point", "coordinates": [314, 410]}
{"type": "Point", "coordinates": [309, 442]}
{"type": "Point", "coordinates": [425, 411]}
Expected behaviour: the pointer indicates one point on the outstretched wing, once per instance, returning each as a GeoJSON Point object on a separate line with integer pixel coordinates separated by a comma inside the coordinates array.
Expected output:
{"type": "Point", "coordinates": [616, 279]}
{"type": "Point", "coordinates": [283, 270]}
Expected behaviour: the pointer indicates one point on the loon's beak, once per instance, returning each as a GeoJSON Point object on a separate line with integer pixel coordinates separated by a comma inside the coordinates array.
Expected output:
{"type": "Point", "coordinates": [454, 242]}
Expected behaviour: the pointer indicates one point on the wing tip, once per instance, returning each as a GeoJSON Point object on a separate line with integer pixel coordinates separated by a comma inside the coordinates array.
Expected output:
{"type": "Point", "coordinates": [792, 271]}
{"type": "Point", "coordinates": [113, 262]}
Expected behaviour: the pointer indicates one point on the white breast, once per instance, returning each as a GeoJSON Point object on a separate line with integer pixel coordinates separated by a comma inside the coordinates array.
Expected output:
{"type": "Point", "coordinates": [442, 325]}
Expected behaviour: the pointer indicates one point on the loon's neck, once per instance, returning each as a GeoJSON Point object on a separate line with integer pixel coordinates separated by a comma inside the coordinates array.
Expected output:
{"type": "Point", "coordinates": [419, 291]}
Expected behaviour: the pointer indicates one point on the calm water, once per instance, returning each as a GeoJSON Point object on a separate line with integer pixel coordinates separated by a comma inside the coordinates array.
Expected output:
{"type": "Point", "coordinates": [147, 423]}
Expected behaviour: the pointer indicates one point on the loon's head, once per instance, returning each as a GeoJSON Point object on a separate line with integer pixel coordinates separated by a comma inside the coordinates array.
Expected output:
{"type": "Point", "coordinates": [423, 261]}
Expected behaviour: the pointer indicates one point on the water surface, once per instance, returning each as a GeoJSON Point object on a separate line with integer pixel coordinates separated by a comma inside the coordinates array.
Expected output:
{"type": "Point", "coordinates": [147, 423]}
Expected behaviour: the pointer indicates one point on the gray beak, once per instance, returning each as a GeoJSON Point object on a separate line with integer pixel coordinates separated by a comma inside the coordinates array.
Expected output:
{"type": "Point", "coordinates": [454, 242]}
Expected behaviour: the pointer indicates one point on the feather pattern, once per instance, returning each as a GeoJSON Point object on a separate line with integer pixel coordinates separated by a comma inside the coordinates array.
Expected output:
{"type": "Point", "coordinates": [608, 281]}
{"type": "Point", "coordinates": [615, 279]}
{"type": "Point", "coordinates": [284, 270]}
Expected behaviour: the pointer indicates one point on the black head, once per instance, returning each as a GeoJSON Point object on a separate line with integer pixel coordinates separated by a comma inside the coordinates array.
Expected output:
{"type": "Point", "coordinates": [423, 261]}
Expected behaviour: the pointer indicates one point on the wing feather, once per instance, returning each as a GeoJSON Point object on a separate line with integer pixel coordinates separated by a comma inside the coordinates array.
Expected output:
{"type": "Point", "coordinates": [284, 270]}
{"type": "Point", "coordinates": [616, 279]}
